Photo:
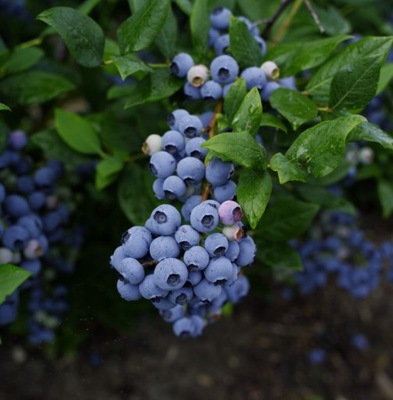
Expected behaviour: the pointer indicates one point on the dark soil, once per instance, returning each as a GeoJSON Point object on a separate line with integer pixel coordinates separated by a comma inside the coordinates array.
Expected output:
{"type": "Point", "coordinates": [260, 352]}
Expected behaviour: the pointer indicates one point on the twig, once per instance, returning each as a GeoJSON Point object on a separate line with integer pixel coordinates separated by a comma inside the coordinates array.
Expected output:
{"type": "Point", "coordinates": [272, 20]}
{"type": "Point", "coordinates": [287, 21]}
{"type": "Point", "coordinates": [314, 15]}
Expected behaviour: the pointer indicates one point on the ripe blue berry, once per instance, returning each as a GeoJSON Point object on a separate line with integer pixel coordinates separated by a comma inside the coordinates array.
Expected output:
{"type": "Point", "coordinates": [186, 236]}
{"type": "Point", "coordinates": [224, 69]}
{"type": "Point", "coordinates": [268, 89]}
{"type": "Point", "coordinates": [254, 77]}
{"type": "Point", "coordinates": [15, 237]}
{"type": "Point", "coordinates": [164, 247]}
{"type": "Point", "coordinates": [16, 206]}
{"type": "Point", "coordinates": [181, 296]}
{"type": "Point", "coordinates": [173, 142]}
{"type": "Point", "coordinates": [224, 192]}
{"type": "Point", "coordinates": [170, 274]}
{"type": "Point", "coordinates": [219, 18]}
{"type": "Point", "coordinates": [238, 290]}
{"type": "Point", "coordinates": [174, 187]}
{"type": "Point", "coordinates": [196, 258]}
{"type": "Point", "coordinates": [204, 217]}
{"type": "Point", "coordinates": [216, 244]}
{"type": "Point", "coordinates": [247, 249]}
{"type": "Point", "coordinates": [211, 90]}
{"type": "Point", "coordinates": [194, 149]}
{"type": "Point", "coordinates": [149, 290]}
{"type": "Point", "coordinates": [132, 271]}
{"type": "Point", "coordinates": [162, 164]}
{"type": "Point", "coordinates": [207, 291]}
{"type": "Point", "coordinates": [164, 220]}
{"type": "Point", "coordinates": [191, 91]}
{"type": "Point", "coordinates": [180, 64]}
{"type": "Point", "coordinates": [218, 172]}
{"type": "Point", "coordinates": [189, 205]}
{"type": "Point", "coordinates": [190, 126]}
{"type": "Point", "coordinates": [174, 118]}
{"type": "Point", "coordinates": [128, 291]}
{"type": "Point", "coordinates": [218, 271]}
{"type": "Point", "coordinates": [136, 242]}
{"type": "Point", "coordinates": [191, 170]}
{"type": "Point", "coordinates": [221, 44]}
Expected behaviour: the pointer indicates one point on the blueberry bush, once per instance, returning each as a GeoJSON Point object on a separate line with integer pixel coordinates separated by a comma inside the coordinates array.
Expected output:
{"type": "Point", "coordinates": [187, 149]}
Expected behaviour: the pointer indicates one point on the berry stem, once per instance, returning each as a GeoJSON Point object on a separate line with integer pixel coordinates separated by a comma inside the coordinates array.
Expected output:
{"type": "Point", "coordinates": [213, 121]}
{"type": "Point", "coordinates": [287, 21]}
{"type": "Point", "coordinates": [272, 20]}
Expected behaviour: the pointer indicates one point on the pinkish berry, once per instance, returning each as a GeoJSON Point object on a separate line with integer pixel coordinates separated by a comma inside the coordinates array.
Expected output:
{"type": "Point", "coordinates": [230, 212]}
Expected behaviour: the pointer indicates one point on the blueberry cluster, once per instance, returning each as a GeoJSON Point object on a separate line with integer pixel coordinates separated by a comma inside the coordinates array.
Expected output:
{"type": "Point", "coordinates": [34, 228]}
{"type": "Point", "coordinates": [341, 249]}
{"type": "Point", "coordinates": [188, 271]}
{"type": "Point", "coordinates": [214, 82]}
{"type": "Point", "coordinates": [15, 9]}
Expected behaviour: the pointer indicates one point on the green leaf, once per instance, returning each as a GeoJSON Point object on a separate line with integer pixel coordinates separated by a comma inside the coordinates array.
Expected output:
{"type": "Point", "coordinates": [353, 88]}
{"type": "Point", "coordinates": [244, 48]}
{"type": "Point", "coordinates": [129, 64]}
{"type": "Point", "coordinates": [185, 6]}
{"type": "Point", "coordinates": [34, 87]}
{"type": "Point", "coordinates": [200, 24]}
{"type": "Point", "coordinates": [281, 257]}
{"type": "Point", "coordinates": [295, 57]}
{"type": "Point", "coordinates": [239, 147]}
{"type": "Point", "coordinates": [82, 35]}
{"type": "Point", "coordinates": [21, 59]}
{"type": "Point", "coordinates": [318, 150]}
{"type": "Point", "coordinates": [107, 171]}
{"type": "Point", "coordinates": [11, 277]}
{"type": "Point", "coordinates": [385, 194]}
{"type": "Point", "coordinates": [4, 107]}
{"type": "Point", "coordinates": [77, 132]}
{"type": "Point", "coordinates": [249, 115]}
{"type": "Point", "coordinates": [332, 21]}
{"type": "Point", "coordinates": [273, 122]}
{"type": "Point", "coordinates": [138, 31]}
{"type": "Point", "coordinates": [371, 133]}
{"type": "Point", "coordinates": [257, 9]}
{"type": "Point", "coordinates": [88, 6]}
{"type": "Point", "coordinates": [158, 85]}
{"type": "Point", "coordinates": [133, 184]}
{"type": "Point", "coordinates": [54, 147]}
{"type": "Point", "coordinates": [385, 77]}
{"type": "Point", "coordinates": [167, 38]}
{"type": "Point", "coordinates": [318, 194]}
{"type": "Point", "coordinates": [234, 98]}
{"type": "Point", "coordinates": [286, 219]}
{"type": "Point", "coordinates": [253, 193]}
{"type": "Point", "coordinates": [294, 106]}
{"type": "Point", "coordinates": [375, 48]}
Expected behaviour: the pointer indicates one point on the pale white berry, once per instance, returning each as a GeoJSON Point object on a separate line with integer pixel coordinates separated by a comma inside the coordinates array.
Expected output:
{"type": "Point", "coordinates": [271, 70]}
{"type": "Point", "coordinates": [152, 144]}
{"type": "Point", "coordinates": [197, 75]}
{"type": "Point", "coordinates": [366, 155]}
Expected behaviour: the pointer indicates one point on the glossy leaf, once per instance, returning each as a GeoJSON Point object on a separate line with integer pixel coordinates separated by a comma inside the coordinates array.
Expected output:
{"type": "Point", "coordinates": [129, 64]}
{"type": "Point", "coordinates": [239, 147]}
{"type": "Point", "coordinates": [273, 122]}
{"type": "Point", "coordinates": [234, 98]}
{"type": "Point", "coordinates": [371, 133]}
{"type": "Point", "coordinates": [294, 106]}
{"type": "Point", "coordinates": [253, 193]}
{"type": "Point", "coordinates": [77, 132]}
{"type": "Point", "coordinates": [4, 107]}
{"type": "Point", "coordinates": [167, 38]}
{"type": "Point", "coordinates": [82, 35]}
{"type": "Point", "coordinates": [138, 31]}
{"type": "Point", "coordinates": [22, 59]}
{"type": "Point", "coordinates": [11, 277]}
{"type": "Point", "coordinates": [107, 171]}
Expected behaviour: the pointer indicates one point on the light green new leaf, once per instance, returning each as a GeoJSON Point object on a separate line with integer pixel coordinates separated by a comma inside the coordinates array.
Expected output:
{"type": "Point", "coordinates": [318, 150]}
{"type": "Point", "coordinates": [354, 87]}
{"type": "Point", "coordinates": [11, 277]}
{"type": "Point", "coordinates": [371, 133]}
{"type": "Point", "coordinates": [4, 107]}
{"type": "Point", "coordinates": [253, 193]}
{"type": "Point", "coordinates": [129, 64]}
{"type": "Point", "coordinates": [138, 31]}
{"type": "Point", "coordinates": [249, 115]}
{"type": "Point", "coordinates": [294, 106]}
{"type": "Point", "coordinates": [82, 35]}
{"type": "Point", "coordinates": [77, 132]}
{"type": "Point", "coordinates": [239, 147]}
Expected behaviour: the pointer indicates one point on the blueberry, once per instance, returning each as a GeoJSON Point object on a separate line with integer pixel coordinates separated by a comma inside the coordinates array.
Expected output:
{"type": "Point", "coordinates": [36, 200]}
{"type": "Point", "coordinates": [162, 164]}
{"type": "Point", "coordinates": [181, 64]}
{"type": "Point", "coordinates": [219, 18]}
{"type": "Point", "coordinates": [238, 290]}
{"type": "Point", "coordinates": [131, 270]}
{"type": "Point", "coordinates": [206, 117]}
{"type": "Point", "coordinates": [224, 192]}
{"type": "Point", "coordinates": [158, 188]}
{"type": "Point", "coordinates": [197, 75]}
{"type": "Point", "coordinates": [186, 236]}
{"type": "Point", "coordinates": [184, 327]}
{"type": "Point", "coordinates": [233, 250]}
{"type": "Point", "coordinates": [191, 170]}
{"type": "Point", "coordinates": [194, 149]}
{"type": "Point", "coordinates": [191, 91]}
{"type": "Point", "coordinates": [128, 291]}
{"type": "Point", "coordinates": [174, 118]}
{"type": "Point", "coordinates": [174, 187]}
{"type": "Point", "coordinates": [196, 258]}
{"type": "Point", "coordinates": [271, 70]}
{"type": "Point", "coordinates": [44, 177]}
{"type": "Point", "coordinates": [164, 220]}
{"type": "Point", "coordinates": [152, 144]}
{"type": "Point", "coordinates": [190, 126]}
{"type": "Point", "coordinates": [224, 69]}
{"type": "Point", "coordinates": [173, 142]}
{"type": "Point", "coordinates": [211, 90]}
{"type": "Point", "coordinates": [189, 205]}
{"type": "Point", "coordinates": [136, 242]}
{"type": "Point", "coordinates": [207, 291]}
{"type": "Point", "coordinates": [262, 44]}
{"type": "Point", "coordinates": [221, 44]}
{"type": "Point", "coordinates": [230, 212]}
{"type": "Point", "coordinates": [213, 36]}
{"type": "Point", "coordinates": [204, 217]}
{"type": "Point", "coordinates": [173, 314]}
{"type": "Point", "coordinates": [164, 247]}
{"type": "Point", "coordinates": [170, 274]}
{"type": "Point", "coordinates": [216, 244]}
{"type": "Point", "coordinates": [218, 172]}
{"type": "Point", "coordinates": [181, 296]}
{"type": "Point", "coordinates": [15, 237]}
{"type": "Point", "coordinates": [25, 184]}
{"type": "Point", "coordinates": [251, 27]}
{"type": "Point", "coordinates": [219, 270]}
{"type": "Point", "coordinates": [247, 250]}
{"type": "Point", "coordinates": [149, 290]}
{"type": "Point", "coordinates": [194, 277]}
{"type": "Point", "coordinates": [254, 77]}
{"type": "Point", "coordinates": [16, 206]}
{"type": "Point", "coordinates": [268, 89]}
